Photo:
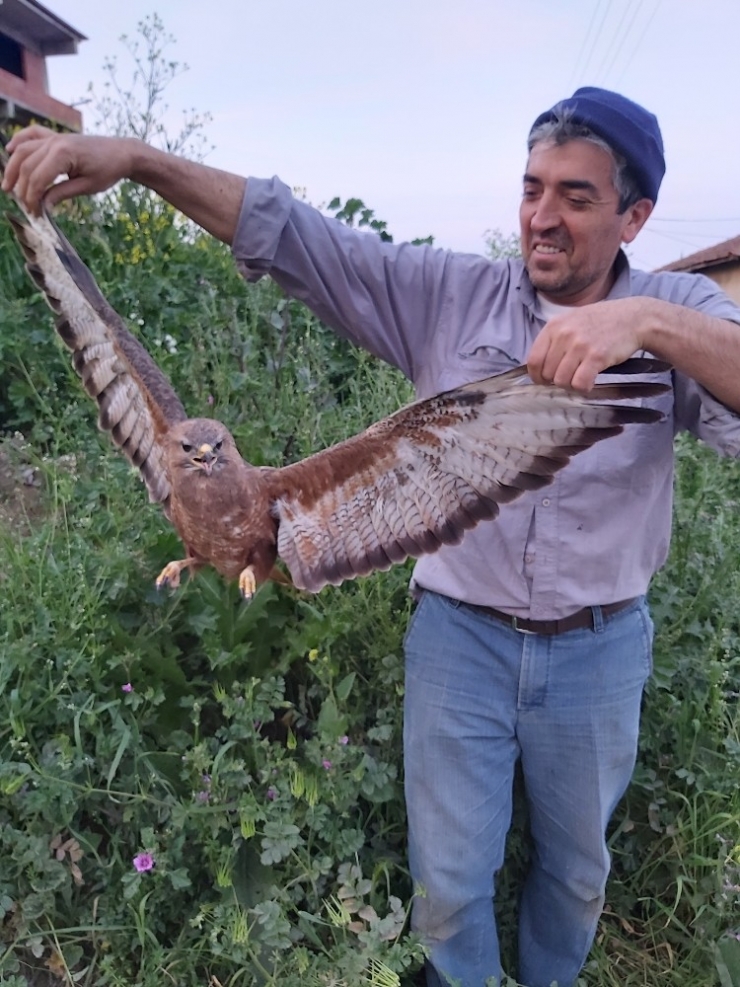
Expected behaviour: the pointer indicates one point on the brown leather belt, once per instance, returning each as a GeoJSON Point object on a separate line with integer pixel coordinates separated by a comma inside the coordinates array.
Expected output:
{"type": "Point", "coordinates": [583, 618]}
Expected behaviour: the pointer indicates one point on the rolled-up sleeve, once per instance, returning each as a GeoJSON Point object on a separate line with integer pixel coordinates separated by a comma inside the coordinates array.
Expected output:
{"type": "Point", "coordinates": [387, 298]}
{"type": "Point", "coordinates": [696, 409]}
{"type": "Point", "coordinates": [699, 412]}
{"type": "Point", "coordinates": [265, 211]}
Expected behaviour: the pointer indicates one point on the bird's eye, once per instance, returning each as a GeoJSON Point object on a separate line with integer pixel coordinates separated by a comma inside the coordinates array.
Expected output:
{"type": "Point", "coordinates": [217, 445]}
{"type": "Point", "coordinates": [186, 447]}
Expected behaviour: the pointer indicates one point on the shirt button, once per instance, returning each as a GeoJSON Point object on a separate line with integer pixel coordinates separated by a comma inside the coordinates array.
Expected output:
{"type": "Point", "coordinates": [529, 559]}
{"type": "Point", "coordinates": [546, 502]}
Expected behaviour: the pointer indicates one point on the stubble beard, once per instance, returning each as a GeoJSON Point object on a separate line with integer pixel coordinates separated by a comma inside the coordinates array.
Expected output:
{"type": "Point", "coordinates": [562, 285]}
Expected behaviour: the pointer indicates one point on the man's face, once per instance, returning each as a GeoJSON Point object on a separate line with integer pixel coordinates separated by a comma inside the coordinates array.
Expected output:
{"type": "Point", "coordinates": [571, 231]}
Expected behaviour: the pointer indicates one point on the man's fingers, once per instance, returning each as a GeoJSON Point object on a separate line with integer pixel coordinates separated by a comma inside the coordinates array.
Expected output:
{"type": "Point", "coordinates": [567, 371]}
{"type": "Point", "coordinates": [27, 174]}
{"type": "Point", "coordinates": [33, 167]}
{"type": "Point", "coordinates": [67, 189]}
{"type": "Point", "coordinates": [584, 376]}
{"type": "Point", "coordinates": [34, 132]}
{"type": "Point", "coordinates": [536, 358]}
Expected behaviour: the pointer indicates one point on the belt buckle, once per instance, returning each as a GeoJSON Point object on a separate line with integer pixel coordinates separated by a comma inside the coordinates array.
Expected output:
{"type": "Point", "coordinates": [518, 629]}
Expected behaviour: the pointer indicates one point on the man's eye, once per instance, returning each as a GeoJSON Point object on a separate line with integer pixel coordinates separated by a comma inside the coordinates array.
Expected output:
{"type": "Point", "coordinates": [578, 203]}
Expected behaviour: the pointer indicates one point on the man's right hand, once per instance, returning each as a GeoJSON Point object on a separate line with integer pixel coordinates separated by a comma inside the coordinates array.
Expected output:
{"type": "Point", "coordinates": [38, 156]}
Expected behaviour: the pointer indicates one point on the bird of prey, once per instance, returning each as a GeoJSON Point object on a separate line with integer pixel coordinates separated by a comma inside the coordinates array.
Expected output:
{"type": "Point", "coordinates": [403, 487]}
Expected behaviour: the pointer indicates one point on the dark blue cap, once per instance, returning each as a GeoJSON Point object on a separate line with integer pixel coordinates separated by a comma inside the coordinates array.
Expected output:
{"type": "Point", "coordinates": [626, 127]}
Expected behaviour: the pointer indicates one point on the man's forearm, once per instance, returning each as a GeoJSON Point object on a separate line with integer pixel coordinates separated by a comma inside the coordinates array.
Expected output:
{"type": "Point", "coordinates": [87, 164]}
{"type": "Point", "coordinates": [210, 197]}
{"type": "Point", "coordinates": [701, 346]}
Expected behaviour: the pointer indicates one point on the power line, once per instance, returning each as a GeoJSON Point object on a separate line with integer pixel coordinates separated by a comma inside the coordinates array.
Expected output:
{"type": "Point", "coordinates": [616, 39]}
{"type": "Point", "coordinates": [676, 238]}
{"type": "Point", "coordinates": [596, 36]}
{"type": "Point", "coordinates": [714, 219]}
{"type": "Point", "coordinates": [620, 46]}
{"type": "Point", "coordinates": [639, 42]}
{"type": "Point", "coordinates": [584, 44]}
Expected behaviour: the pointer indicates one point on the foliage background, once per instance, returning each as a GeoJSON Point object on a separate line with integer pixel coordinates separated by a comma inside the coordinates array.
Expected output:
{"type": "Point", "coordinates": [254, 752]}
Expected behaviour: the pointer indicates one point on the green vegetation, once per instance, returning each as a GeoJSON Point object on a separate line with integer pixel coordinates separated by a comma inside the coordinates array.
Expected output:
{"type": "Point", "coordinates": [198, 792]}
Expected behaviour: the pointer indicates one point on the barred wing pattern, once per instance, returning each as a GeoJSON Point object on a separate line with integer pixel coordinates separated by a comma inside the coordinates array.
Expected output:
{"type": "Point", "coordinates": [433, 470]}
{"type": "Point", "coordinates": [136, 402]}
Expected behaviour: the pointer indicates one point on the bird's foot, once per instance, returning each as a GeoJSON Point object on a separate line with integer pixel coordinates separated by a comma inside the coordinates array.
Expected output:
{"type": "Point", "coordinates": [170, 575]}
{"type": "Point", "coordinates": [247, 583]}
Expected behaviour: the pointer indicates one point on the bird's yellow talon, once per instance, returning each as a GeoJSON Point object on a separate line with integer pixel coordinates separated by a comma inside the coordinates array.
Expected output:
{"type": "Point", "coordinates": [247, 583]}
{"type": "Point", "coordinates": [169, 576]}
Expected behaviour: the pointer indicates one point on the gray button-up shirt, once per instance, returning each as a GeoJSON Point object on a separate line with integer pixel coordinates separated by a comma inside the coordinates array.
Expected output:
{"type": "Point", "coordinates": [601, 529]}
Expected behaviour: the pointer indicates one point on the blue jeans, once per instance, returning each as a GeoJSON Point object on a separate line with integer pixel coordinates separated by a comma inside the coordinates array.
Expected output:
{"type": "Point", "coordinates": [480, 696]}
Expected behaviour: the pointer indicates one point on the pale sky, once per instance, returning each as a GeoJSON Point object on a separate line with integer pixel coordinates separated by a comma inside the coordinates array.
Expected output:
{"type": "Point", "coordinates": [421, 108]}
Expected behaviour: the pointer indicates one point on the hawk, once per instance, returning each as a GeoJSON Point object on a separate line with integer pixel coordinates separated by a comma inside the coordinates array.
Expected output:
{"type": "Point", "coordinates": [405, 486]}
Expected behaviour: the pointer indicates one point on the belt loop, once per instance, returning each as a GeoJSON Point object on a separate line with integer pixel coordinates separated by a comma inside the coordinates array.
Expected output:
{"type": "Point", "coordinates": [598, 619]}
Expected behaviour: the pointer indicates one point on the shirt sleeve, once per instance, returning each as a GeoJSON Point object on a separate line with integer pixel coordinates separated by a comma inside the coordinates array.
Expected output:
{"type": "Point", "coordinates": [387, 298]}
{"type": "Point", "coordinates": [696, 409]}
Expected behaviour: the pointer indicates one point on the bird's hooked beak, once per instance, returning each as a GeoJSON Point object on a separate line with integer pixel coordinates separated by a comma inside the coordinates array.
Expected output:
{"type": "Point", "coordinates": [205, 458]}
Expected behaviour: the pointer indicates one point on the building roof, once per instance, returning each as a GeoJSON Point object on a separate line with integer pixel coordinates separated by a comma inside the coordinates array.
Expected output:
{"type": "Point", "coordinates": [38, 28]}
{"type": "Point", "coordinates": [721, 253]}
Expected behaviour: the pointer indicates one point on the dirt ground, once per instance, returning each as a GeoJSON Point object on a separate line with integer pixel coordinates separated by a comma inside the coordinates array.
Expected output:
{"type": "Point", "coordinates": [21, 496]}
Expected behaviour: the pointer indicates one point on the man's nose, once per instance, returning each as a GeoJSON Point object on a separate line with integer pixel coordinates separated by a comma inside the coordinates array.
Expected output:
{"type": "Point", "coordinates": [545, 215]}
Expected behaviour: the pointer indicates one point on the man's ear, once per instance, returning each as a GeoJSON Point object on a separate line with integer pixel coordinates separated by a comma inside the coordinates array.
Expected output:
{"type": "Point", "coordinates": [635, 218]}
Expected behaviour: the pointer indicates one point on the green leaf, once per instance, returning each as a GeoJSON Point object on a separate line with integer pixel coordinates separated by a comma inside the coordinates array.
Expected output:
{"type": "Point", "coordinates": [344, 687]}
{"type": "Point", "coordinates": [727, 961]}
{"type": "Point", "coordinates": [179, 878]}
{"type": "Point", "coordinates": [330, 723]}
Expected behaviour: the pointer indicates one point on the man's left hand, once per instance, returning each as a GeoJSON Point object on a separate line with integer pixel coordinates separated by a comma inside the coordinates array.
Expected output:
{"type": "Point", "coordinates": [579, 344]}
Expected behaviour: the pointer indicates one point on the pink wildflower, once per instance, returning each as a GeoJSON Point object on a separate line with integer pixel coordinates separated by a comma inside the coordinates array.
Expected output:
{"type": "Point", "coordinates": [271, 794]}
{"type": "Point", "coordinates": [326, 765]}
{"type": "Point", "coordinates": [127, 687]}
{"type": "Point", "coordinates": [143, 862]}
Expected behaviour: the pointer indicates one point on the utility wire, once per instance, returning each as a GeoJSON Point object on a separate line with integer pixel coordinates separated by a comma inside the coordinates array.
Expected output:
{"type": "Point", "coordinates": [620, 46]}
{"type": "Point", "coordinates": [596, 36]}
{"type": "Point", "coordinates": [709, 219]}
{"type": "Point", "coordinates": [584, 45]}
{"type": "Point", "coordinates": [649, 21]}
{"type": "Point", "coordinates": [616, 37]}
{"type": "Point", "coordinates": [676, 238]}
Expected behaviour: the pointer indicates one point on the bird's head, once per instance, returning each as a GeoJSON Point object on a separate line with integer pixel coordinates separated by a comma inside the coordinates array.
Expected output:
{"type": "Point", "coordinates": [202, 445]}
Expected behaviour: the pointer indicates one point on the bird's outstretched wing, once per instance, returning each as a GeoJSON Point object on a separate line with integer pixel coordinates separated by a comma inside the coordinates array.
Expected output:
{"type": "Point", "coordinates": [136, 401]}
{"type": "Point", "coordinates": [433, 470]}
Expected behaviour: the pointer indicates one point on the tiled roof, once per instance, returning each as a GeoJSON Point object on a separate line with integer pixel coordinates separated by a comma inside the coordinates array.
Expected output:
{"type": "Point", "coordinates": [720, 253]}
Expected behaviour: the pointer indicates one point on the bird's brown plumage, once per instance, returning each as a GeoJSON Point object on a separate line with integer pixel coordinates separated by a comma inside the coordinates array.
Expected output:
{"type": "Point", "coordinates": [403, 487]}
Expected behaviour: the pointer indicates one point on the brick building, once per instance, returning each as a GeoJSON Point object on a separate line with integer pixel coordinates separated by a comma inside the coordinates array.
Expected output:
{"type": "Point", "coordinates": [29, 34]}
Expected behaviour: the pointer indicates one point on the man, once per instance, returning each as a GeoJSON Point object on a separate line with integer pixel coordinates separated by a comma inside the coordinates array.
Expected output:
{"type": "Point", "coordinates": [532, 640]}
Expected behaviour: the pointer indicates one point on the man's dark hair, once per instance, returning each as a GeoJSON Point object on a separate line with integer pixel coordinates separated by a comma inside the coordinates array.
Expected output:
{"type": "Point", "coordinates": [561, 129]}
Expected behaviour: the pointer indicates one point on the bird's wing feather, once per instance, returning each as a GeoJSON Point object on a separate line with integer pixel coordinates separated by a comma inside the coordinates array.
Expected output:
{"type": "Point", "coordinates": [137, 404]}
{"type": "Point", "coordinates": [422, 477]}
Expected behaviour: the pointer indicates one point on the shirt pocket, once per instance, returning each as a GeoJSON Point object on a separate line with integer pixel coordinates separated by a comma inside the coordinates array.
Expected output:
{"type": "Point", "coordinates": [483, 361]}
